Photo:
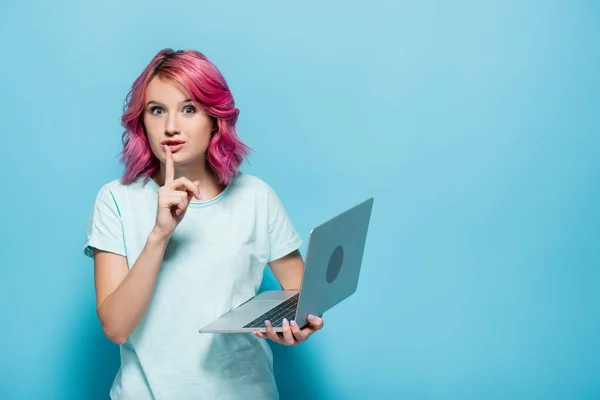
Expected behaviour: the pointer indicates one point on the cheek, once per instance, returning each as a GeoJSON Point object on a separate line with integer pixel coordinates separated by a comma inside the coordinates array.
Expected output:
{"type": "Point", "coordinates": [200, 129]}
{"type": "Point", "coordinates": [154, 134]}
{"type": "Point", "coordinates": [152, 126]}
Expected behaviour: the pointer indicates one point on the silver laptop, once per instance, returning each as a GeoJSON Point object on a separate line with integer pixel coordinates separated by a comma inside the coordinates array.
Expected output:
{"type": "Point", "coordinates": [332, 266]}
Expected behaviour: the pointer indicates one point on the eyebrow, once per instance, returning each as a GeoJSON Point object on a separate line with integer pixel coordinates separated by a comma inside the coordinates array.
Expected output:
{"type": "Point", "coordinates": [161, 104]}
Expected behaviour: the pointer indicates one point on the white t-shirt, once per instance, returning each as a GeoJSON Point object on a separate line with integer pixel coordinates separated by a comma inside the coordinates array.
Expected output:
{"type": "Point", "coordinates": [214, 261]}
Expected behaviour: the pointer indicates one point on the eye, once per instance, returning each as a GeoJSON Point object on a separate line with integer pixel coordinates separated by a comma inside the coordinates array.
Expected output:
{"type": "Point", "coordinates": [154, 110]}
{"type": "Point", "coordinates": [189, 110]}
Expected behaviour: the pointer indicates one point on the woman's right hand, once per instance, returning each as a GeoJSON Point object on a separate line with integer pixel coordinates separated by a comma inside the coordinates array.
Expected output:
{"type": "Point", "coordinates": [173, 202]}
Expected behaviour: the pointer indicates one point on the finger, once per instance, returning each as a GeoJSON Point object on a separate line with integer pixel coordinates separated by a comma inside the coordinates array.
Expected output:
{"type": "Point", "coordinates": [169, 169]}
{"type": "Point", "coordinates": [288, 337]}
{"type": "Point", "coordinates": [259, 335]}
{"type": "Point", "coordinates": [271, 333]}
{"type": "Point", "coordinates": [182, 205]}
{"type": "Point", "coordinates": [173, 198]}
{"type": "Point", "coordinates": [191, 187]}
{"type": "Point", "coordinates": [315, 322]}
{"type": "Point", "coordinates": [178, 198]}
{"type": "Point", "coordinates": [177, 201]}
{"type": "Point", "coordinates": [299, 334]}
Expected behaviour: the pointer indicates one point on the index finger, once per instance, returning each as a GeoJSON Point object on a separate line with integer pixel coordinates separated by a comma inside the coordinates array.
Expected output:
{"type": "Point", "coordinates": [271, 334]}
{"type": "Point", "coordinates": [169, 169]}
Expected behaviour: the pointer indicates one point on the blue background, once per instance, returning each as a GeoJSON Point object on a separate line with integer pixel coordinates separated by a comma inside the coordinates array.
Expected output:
{"type": "Point", "coordinates": [475, 125]}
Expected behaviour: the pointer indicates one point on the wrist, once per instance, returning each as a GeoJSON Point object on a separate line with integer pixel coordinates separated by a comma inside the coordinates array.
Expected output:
{"type": "Point", "coordinates": [157, 238]}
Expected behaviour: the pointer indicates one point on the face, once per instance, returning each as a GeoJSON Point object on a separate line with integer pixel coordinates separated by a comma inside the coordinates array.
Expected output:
{"type": "Point", "coordinates": [172, 118]}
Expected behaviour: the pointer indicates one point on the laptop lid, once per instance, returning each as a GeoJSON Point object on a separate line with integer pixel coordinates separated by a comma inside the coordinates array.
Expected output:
{"type": "Point", "coordinates": [333, 260]}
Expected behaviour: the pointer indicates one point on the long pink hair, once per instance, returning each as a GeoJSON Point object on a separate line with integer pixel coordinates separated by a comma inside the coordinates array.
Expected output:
{"type": "Point", "coordinates": [206, 86]}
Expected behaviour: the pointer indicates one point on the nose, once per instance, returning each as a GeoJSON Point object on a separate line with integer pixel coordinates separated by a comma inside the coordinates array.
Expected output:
{"type": "Point", "coordinates": [172, 124]}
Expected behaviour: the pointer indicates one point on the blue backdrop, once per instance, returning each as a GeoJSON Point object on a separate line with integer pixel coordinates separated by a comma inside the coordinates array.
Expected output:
{"type": "Point", "coordinates": [475, 125]}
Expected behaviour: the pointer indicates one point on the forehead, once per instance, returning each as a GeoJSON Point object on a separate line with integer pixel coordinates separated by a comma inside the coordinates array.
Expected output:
{"type": "Point", "coordinates": [165, 90]}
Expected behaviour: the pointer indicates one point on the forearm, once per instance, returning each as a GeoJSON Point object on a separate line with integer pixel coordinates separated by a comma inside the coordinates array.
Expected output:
{"type": "Point", "coordinates": [122, 310]}
{"type": "Point", "coordinates": [288, 270]}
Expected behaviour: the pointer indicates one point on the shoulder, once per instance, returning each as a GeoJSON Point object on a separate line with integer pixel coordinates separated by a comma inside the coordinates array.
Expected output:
{"type": "Point", "coordinates": [263, 193]}
{"type": "Point", "coordinates": [115, 189]}
{"type": "Point", "coordinates": [117, 186]}
{"type": "Point", "coordinates": [246, 187]}
{"type": "Point", "coordinates": [107, 189]}
{"type": "Point", "coordinates": [113, 186]}
{"type": "Point", "coordinates": [251, 183]}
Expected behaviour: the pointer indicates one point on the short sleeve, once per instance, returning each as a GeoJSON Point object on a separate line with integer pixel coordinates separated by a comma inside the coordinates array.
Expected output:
{"type": "Point", "coordinates": [283, 238]}
{"type": "Point", "coordinates": [105, 228]}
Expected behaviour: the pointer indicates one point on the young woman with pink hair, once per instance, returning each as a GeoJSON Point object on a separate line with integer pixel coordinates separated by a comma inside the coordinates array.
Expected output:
{"type": "Point", "coordinates": [183, 237]}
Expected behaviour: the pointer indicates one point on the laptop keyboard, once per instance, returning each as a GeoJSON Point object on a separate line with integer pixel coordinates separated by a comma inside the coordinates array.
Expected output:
{"type": "Point", "coordinates": [287, 309]}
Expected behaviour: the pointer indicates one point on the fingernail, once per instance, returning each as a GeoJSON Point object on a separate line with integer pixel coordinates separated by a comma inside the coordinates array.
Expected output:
{"type": "Point", "coordinates": [293, 323]}
{"type": "Point", "coordinates": [285, 322]}
{"type": "Point", "coordinates": [266, 323]}
{"type": "Point", "coordinates": [164, 147]}
{"type": "Point", "coordinates": [311, 317]}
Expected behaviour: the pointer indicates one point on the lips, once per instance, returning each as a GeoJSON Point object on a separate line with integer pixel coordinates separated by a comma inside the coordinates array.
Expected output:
{"type": "Point", "coordinates": [173, 144]}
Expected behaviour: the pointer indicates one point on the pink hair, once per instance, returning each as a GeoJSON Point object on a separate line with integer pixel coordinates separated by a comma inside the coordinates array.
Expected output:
{"type": "Point", "coordinates": [206, 86]}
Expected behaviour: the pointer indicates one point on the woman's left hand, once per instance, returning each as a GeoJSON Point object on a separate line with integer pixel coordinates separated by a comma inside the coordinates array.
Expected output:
{"type": "Point", "coordinates": [292, 335]}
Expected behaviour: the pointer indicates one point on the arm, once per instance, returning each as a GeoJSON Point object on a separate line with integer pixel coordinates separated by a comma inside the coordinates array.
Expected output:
{"type": "Point", "coordinates": [123, 295]}
{"type": "Point", "coordinates": [288, 270]}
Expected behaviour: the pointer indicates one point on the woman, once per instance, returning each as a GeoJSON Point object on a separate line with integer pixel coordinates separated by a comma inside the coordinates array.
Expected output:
{"type": "Point", "coordinates": [183, 237]}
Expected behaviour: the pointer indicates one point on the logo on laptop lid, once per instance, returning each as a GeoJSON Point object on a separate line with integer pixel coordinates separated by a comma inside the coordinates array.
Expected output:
{"type": "Point", "coordinates": [335, 263]}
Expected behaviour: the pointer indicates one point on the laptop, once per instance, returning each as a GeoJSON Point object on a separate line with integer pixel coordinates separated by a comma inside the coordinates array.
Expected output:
{"type": "Point", "coordinates": [331, 270]}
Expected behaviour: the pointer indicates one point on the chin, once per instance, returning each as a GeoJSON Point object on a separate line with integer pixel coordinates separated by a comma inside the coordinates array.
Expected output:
{"type": "Point", "coordinates": [182, 158]}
